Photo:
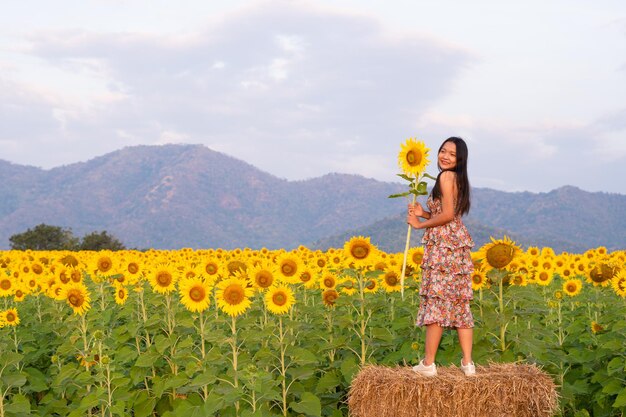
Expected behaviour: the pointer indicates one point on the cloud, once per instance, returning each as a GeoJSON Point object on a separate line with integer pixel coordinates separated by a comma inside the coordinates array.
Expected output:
{"type": "Point", "coordinates": [274, 79]}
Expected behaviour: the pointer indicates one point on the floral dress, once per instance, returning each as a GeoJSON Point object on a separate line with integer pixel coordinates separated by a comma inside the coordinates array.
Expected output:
{"type": "Point", "coordinates": [447, 268]}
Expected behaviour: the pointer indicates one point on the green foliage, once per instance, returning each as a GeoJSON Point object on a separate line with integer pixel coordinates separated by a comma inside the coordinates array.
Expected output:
{"type": "Point", "coordinates": [47, 237]}
{"type": "Point", "coordinates": [115, 362]}
{"type": "Point", "coordinates": [44, 237]}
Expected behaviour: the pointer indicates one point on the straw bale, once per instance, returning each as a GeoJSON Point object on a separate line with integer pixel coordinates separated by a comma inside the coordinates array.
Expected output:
{"type": "Point", "coordinates": [497, 390]}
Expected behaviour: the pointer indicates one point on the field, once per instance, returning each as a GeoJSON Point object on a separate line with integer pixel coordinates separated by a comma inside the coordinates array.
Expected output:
{"type": "Point", "coordinates": [282, 333]}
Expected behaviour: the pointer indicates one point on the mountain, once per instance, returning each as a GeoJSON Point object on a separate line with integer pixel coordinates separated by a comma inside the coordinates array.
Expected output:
{"type": "Point", "coordinates": [175, 196]}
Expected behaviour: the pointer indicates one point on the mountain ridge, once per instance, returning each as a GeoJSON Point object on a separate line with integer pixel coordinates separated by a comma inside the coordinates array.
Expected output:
{"type": "Point", "coordinates": [173, 196]}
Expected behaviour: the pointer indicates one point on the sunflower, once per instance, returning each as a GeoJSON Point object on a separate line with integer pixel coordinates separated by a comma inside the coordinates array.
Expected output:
{"type": "Point", "coordinates": [360, 251]}
{"type": "Point", "coordinates": [235, 265]}
{"type": "Point", "coordinates": [104, 264]}
{"type": "Point", "coordinates": [619, 283]}
{"type": "Point", "coordinates": [572, 287]}
{"type": "Point", "coordinates": [20, 293]}
{"type": "Point", "coordinates": [601, 274]}
{"type": "Point", "coordinates": [479, 280]}
{"type": "Point", "coordinates": [279, 299]}
{"type": "Point", "coordinates": [329, 297]}
{"type": "Point", "coordinates": [413, 157]}
{"type": "Point", "coordinates": [194, 294]}
{"type": "Point", "coordinates": [390, 280]}
{"type": "Point", "coordinates": [596, 327]}
{"type": "Point", "coordinates": [163, 278]}
{"type": "Point", "coordinates": [263, 275]}
{"type": "Point", "coordinates": [328, 281]}
{"type": "Point", "coordinates": [533, 251]}
{"type": "Point", "coordinates": [519, 280]}
{"type": "Point", "coordinates": [233, 296]}
{"type": "Point", "coordinates": [415, 256]}
{"type": "Point", "coordinates": [371, 285]}
{"type": "Point", "coordinates": [9, 317]}
{"type": "Point", "coordinates": [499, 253]}
{"type": "Point", "coordinates": [289, 265]}
{"type": "Point", "coordinates": [6, 286]}
{"type": "Point", "coordinates": [307, 277]}
{"type": "Point", "coordinates": [121, 294]}
{"type": "Point", "coordinates": [543, 277]}
{"type": "Point", "coordinates": [77, 296]}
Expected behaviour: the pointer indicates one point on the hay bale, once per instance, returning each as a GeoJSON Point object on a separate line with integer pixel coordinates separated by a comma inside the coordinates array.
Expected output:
{"type": "Point", "coordinates": [497, 390]}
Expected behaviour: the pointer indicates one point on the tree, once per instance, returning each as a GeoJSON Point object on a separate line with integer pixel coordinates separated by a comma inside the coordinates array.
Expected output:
{"type": "Point", "coordinates": [101, 241]}
{"type": "Point", "coordinates": [44, 237]}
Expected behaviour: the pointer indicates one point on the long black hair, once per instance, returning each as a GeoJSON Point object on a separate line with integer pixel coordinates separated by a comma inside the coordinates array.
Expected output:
{"type": "Point", "coordinates": [462, 205]}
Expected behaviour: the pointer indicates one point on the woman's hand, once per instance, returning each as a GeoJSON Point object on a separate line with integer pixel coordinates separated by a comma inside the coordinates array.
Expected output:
{"type": "Point", "coordinates": [416, 209]}
{"type": "Point", "coordinates": [412, 219]}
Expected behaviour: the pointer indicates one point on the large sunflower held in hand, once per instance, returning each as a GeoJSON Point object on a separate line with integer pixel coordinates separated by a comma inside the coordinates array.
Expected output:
{"type": "Point", "coordinates": [413, 157]}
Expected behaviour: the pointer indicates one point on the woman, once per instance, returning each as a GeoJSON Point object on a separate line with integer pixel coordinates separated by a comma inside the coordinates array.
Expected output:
{"type": "Point", "coordinates": [446, 289]}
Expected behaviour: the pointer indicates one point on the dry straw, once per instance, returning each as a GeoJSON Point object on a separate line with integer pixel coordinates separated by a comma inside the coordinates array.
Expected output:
{"type": "Point", "coordinates": [497, 390]}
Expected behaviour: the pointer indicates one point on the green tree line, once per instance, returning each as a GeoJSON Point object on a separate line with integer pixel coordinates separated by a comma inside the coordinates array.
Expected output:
{"type": "Point", "coordinates": [48, 237]}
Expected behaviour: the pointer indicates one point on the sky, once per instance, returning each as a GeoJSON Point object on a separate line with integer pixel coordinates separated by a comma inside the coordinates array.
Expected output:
{"type": "Point", "coordinates": [301, 89]}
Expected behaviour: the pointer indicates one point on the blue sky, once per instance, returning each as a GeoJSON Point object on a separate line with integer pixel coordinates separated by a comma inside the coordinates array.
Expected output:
{"type": "Point", "coordinates": [304, 88]}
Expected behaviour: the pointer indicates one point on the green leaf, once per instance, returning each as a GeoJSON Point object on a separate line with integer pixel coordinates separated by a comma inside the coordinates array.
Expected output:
{"type": "Point", "coordinates": [327, 382]}
{"type": "Point", "coordinates": [406, 177]}
{"type": "Point", "coordinates": [615, 365]}
{"type": "Point", "coordinates": [147, 359]}
{"type": "Point", "coordinates": [349, 367]}
{"type": "Point", "coordinates": [400, 195]}
{"type": "Point", "coordinates": [422, 188]}
{"type": "Point", "coordinates": [36, 380]}
{"type": "Point", "coordinates": [309, 404]}
{"type": "Point", "coordinates": [10, 358]}
{"type": "Point", "coordinates": [19, 405]}
{"type": "Point", "coordinates": [429, 176]}
{"type": "Point", "coordinates": [143, 405]}
{"type": "Point", "coordinates": [613, 387]}
{"type": "Point", "coordinates": [206, 378]}
{"type": "Point", "coordinates": [14, 380]}
{"type": "Point", "coordinates": [620, 401]}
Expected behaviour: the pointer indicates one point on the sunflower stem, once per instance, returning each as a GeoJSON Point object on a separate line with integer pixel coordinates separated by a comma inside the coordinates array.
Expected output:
{"type": "Point", "coordinates": [205, 389]}
{"type": "Point", "coordinates": [233, 328]}
{"type": "Point", "coordinates": [406, 253]}
{"type": "Point", "coordinates": [283, 368]}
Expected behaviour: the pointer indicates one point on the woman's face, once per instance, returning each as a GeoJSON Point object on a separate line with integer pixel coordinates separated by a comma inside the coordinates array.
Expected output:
{"type": "Point", "coordinates": [447, 156]}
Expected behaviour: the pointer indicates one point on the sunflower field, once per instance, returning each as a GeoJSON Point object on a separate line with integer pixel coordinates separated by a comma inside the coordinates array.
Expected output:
{"type": "Point", "coordinates": [282, 333]}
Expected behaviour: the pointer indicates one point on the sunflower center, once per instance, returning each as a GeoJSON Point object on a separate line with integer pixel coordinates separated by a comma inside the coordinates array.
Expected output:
{"type": "Point", "coordinates": [235, 266]}
{"type": "Point", "coordinates": [75, 298]}
{"type": "Point", "coordinates": [164, 278]}
{"type": "Point", "coordinates": [543, 276]}
{"type": "Point", "coordinates": [121, 293]}
{"type": "Point", "coordinates": [10, 317]}
{"type": "Point", "coordinates": [19, 293]}
{"type": "Point", "coordinates": [571, 287]}
{"type": "Point", "coordinates": [288, 268]}
{"type": "Point", "coordinates": [210, 268]}
{"type": "Point", "coordinates": [37, 269]}
{"type": "Point", "coordinates": [76, 276]}
{"type": "Point", "coordinates": [305, 276]}
{"type": "Point", "coordinates": [133, 268]}
{"type": "Point", "coordinates": [477, 279]}
{"type": "Point", "coordinates": [234, 294]}
{"type": "Point", "coordinates": [500, 255]}
{"type": "Point", "coordinates": [197, 293]}
{"type": "Point", "coordinates": [413, 158]}
{"type": "Point", "coordinates": [5, 284]}
{"type": "Point", "coordinates": [329, 297]}
{"type": "Point", "coordinates": [264, 279]}
{"type": "Point", "coordinates": [64, 278]}
{"type": "Point", "coordinates": [370, 284]}
{"type": "Point", "coordinates": [279, 298]}
{"type": "Point", "coordinates": [329, 282]}
{"type": "Point", "coordinates": [360, 251]}
{"type": "Point", "coordinates": [391, 279]}
{"type": "Point", "coordinates": [321, 263]}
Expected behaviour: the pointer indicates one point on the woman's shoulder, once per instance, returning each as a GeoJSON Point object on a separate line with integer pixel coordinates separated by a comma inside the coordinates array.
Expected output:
{"type": "Point", "coordinates": [447, 175]}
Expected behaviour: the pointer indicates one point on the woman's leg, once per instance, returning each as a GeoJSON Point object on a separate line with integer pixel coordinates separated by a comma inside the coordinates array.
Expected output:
{"type": "Point", "coordinates": [433, 337]}
{"type": "Point", "coordinates": [466, 336]}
